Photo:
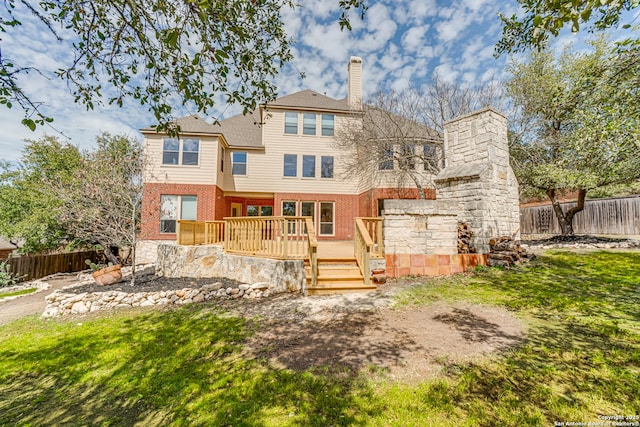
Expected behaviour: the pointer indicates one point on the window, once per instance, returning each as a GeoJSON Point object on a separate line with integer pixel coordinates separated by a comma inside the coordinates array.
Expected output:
{"type": "Point", "coordinates": [430, 158]}
{"type": "Point", "coordinates": [190, 148]}
{"type": "Point", "coordinates": [326, 167]}
{"type": "Point", "coordinates": [188, 207]}
{"type": "Point", "coordinates": [255, 210]}
{"type": "Point", "coordinates": [386, 156]}
{"type": "Point", "coordinates": [326, 218]}
{"type": "Point", "coordinates": [308, 166]}
{"type": "Point", "coordinates": [170, 151]}
{"type": "Point", "coordinates": [222, 153]}
{"type": "Point", "coordinates": [291, 123]}
{"type": "Point", "coordinates": [289, 209]}
{"type": "Point", "coordinates": [308, 209]}
{"type": "Point", "coordinates": [407, 159]}
{"type": "Point", "coordinates": [327, 125]}
{"type": "Point", "coordinates": [174, 207]}
{"type": "Point", "coordinates": [290, 165]}
{"type": "Point", "coordinates": [239, 163]}
{"type": "Point", "coordinates": [309, 124]}
{"type": "Point", "coordinates": [252, 210]}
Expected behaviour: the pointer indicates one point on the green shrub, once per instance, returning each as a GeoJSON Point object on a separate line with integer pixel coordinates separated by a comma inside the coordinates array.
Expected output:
{"type": "Point", "coordinates": [7, 278]}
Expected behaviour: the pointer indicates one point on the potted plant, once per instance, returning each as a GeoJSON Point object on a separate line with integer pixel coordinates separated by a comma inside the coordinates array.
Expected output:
{"type": "Point", "coordinates": [105, 275]}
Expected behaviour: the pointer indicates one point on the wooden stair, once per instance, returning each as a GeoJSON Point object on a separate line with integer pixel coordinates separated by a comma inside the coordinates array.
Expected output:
{"type": "Point", "coordinates": [337, 276]}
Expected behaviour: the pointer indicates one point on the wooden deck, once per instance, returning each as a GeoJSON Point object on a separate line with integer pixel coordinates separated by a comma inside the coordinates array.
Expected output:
{"type": "Point", "coordinates": [331, 266]}
{"type": "Point", "coordinates": [338, 271]}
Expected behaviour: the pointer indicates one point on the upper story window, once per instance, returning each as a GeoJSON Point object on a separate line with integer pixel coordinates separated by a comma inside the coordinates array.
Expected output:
{"type": "Point", "coordinates": [222, 153]}
{"type": "Point", "coordinates": [190, 149]}
{"type": "Point", "coordinates": [327, 125]}
{"type": "Point", "coordinates": [185, 152]}
{"type": "Point", "coordinates": [308, 124]}
{"type": "Point", "coordinates": [291, 123]}
{"type": "Point", "coordinates": [290, 165]}
{"type": "Point", "coordinates": [326, 167]}
{"type": "Point", "coordinates": [308, 166]}
{"type": "Point", "coordinates": [407, 157]}
{"type": "Point", "coordinates": [170, 151]}
{"type": "Point", "coordinates": [239, 163]}
{"type": "Point", "coordinates": [430, 159]}
{"type": "Point", "coordinates": [386, 159]}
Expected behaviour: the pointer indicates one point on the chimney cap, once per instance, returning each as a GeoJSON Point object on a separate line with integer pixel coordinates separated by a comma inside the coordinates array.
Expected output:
{"type": "Point", "coordinates": [356, 59]}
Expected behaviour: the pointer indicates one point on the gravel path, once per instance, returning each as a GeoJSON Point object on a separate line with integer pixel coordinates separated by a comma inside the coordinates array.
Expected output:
{"type": "Point", "coordinates": [34, 303]}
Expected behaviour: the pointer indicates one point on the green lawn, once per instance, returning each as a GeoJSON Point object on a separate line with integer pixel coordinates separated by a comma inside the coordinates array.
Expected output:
{"type": "Point", "coordinates": [16, 293]}
{"type": "Point", "coordinates": [581, 359]}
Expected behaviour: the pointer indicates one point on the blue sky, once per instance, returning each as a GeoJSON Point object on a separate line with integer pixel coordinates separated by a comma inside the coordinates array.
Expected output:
{"type": "Point", "coordinates": [402, 42]}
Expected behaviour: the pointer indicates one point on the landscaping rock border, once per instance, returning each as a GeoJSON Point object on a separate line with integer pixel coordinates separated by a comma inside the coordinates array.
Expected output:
{"type": "Point", "coordinates": [61, 303]}
{"type": "Point", "coordinates": [579, 242]}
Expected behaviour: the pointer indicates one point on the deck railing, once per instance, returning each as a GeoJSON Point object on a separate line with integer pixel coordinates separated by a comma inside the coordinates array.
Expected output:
{"type": "Point", "coordinates": [214, 232]}
{"type": "Point", "coordinates": [190, 232]}
{"type": "Point", "coordinates": [312, 249]}
{"type": "Point", "coordinates": [374, 228]}
{"type": "Point", "coordinates": [362, 247]}
{"type": "Point", "coordinates": [271, 237]}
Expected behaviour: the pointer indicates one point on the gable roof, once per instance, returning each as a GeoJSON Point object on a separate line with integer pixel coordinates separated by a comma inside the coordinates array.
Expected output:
{"type": "Point", "coordinates": [242, 130]}
{"type": "Point", "coordinates": [190, 124]}
{"type": "Point", "coordinates": [310, 99]}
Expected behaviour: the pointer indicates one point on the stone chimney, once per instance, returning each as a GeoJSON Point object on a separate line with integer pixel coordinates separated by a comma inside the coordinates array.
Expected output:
{"type": "Point", "coordinates": [477, 180]}
{"type": "Point", "coordinates": [354, 96]}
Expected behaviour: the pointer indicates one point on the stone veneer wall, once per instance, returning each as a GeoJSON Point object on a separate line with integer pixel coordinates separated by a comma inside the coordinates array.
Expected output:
{"type": "Point", "coordinates": [147, 250]}
{"type": "Point", "coordinates": [477, 180]}
{"type": "Point", "coordinates": [211, 261]}
{"type": "Point", "coordinates": [419, 227]}
{"type": "Point", "coordinates": [421, 238]}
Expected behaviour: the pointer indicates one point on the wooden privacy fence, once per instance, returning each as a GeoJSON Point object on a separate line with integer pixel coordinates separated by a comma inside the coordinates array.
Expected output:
{"type": "Point", "coordinates": [619, 216]}
{"type": "Point", "coordinates": [37, 266]}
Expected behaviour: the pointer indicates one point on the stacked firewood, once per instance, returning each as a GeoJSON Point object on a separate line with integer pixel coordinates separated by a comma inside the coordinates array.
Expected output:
{"type": "Point", "coordinates": [504, 251]}
{"type": "Point", "coordinates": [464, 239]}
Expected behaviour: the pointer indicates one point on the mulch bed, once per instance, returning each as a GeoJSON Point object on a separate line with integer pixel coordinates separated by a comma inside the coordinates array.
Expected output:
{"type": "Point", "coordinates": [152, 283]}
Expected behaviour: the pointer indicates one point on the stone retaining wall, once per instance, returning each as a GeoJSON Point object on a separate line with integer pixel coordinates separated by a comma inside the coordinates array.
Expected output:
{"type": "Point", "coordinates": [61, 303]}
{"type": "Point", "coordinates": [211, 261]}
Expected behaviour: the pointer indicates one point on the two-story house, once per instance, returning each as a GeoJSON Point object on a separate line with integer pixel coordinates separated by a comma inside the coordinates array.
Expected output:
{"type": "Point", "coordinates": [280, 160]}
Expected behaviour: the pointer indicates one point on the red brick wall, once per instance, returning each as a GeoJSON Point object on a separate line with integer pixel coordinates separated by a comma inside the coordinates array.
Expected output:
{"type": "Point", "coordinates": [346, 207]}
{"type": "Point", "coordinates": [213, 205]}
{"type": "Point", "coordinates": [207, 209]}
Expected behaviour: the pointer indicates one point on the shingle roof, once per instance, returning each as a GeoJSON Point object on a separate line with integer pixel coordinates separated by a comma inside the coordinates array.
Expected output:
{"type": "Point", "coordinates": [191, 124]}
{"type": "Point", "coordinates": [241, 130]}
{"type": "Point", "coordinates": [310, 99]}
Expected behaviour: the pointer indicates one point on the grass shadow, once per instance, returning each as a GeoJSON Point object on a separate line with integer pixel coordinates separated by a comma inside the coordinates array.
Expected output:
{"type": "Point", "coordinates": [180, 367]}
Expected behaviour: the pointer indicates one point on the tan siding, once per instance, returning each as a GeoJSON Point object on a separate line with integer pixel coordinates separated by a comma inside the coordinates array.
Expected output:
{"type": "Point", "coordinates": [204, 173]}
{"type": "Point", "coordinates": [265, 168]}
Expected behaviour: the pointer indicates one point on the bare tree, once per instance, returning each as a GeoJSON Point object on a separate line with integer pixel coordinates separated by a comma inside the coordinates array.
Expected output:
{"type": "Point", "coordinates": [102, 203]}
{"type": "Point", "coordinates": [389, 144]}
{"type": "Point", "coordinates": [443, 100]}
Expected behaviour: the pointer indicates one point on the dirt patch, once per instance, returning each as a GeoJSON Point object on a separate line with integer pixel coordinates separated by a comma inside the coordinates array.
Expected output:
{"type": "Point", "coordinates": [408, 344]}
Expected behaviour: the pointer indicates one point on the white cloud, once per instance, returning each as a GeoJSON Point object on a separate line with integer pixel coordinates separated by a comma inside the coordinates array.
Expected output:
{"type": "Point", "coordinates": [413, 38]}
